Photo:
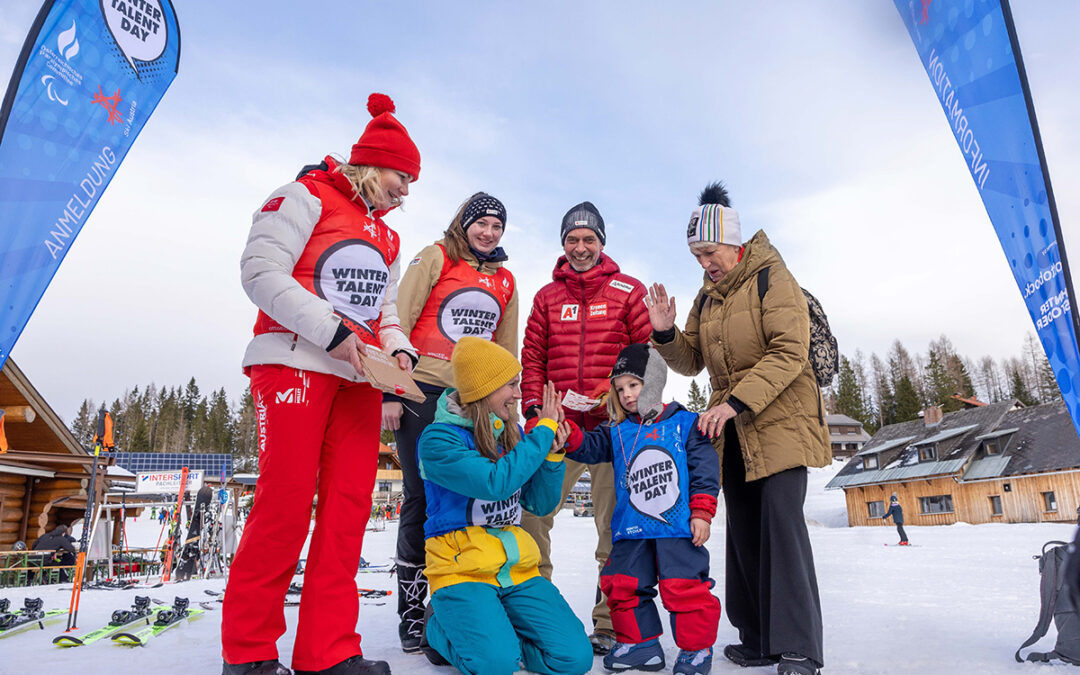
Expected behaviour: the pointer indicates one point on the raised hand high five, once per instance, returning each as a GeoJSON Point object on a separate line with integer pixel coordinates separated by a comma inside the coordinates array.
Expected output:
{"type": "Point", "coordinates": [661, 308]}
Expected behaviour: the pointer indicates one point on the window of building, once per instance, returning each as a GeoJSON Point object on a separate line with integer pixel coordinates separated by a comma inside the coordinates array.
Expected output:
{"type": "Point", "coordinates": [870, 462]}
{"type": "Point", "coordinates": [995, 505]}
{"type": "Point", "coordinates": [1049, 501]}
{"type": "Point", "coordinates": [852, 430]}
{"type": "Point", "coordinates": [876, 509]}
{"type": "Point", "coordinates": [993, 446]}
{"type": "Point", "coordinates": [935, 504]}
{"type": "Point", "coordinates": [384, 486]}
{"type": "Point", "coordinates": [928, 453]}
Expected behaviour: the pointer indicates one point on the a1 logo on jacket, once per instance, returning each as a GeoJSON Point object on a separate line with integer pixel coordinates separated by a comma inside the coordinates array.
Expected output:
{"type": "Point", "coordinates": [569, 313]}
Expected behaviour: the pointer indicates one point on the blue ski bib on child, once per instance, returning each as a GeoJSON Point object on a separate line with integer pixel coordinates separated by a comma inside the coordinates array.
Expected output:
{"type": "Point", "coordinates": [448, 510]}
{"type": "Point", "coordinates": [652, 483]}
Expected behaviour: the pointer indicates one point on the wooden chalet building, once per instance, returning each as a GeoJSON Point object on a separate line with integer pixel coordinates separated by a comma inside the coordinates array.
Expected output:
{"type": "Point", "coordinates": [997, 463]}
{"type": "Point", "coordinates": [45, 472]}
{"type": "Point", "coordinates": [388, 477]}
{"type": "Point", "coordinates": [846, 435]}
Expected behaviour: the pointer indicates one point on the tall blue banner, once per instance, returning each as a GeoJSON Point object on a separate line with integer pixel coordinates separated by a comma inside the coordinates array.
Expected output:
{"type": "Point", "coordinates": [89, 76]}
{"type": "Point", "coordinates": [970, 51]}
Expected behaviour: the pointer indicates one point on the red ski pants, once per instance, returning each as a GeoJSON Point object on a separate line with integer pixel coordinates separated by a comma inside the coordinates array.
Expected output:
{"type": "Point", "coordinates": [316, 431]}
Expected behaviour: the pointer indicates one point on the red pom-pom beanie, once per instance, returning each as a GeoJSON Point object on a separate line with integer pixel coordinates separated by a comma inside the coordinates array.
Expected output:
{"type": "Point", "coordinates": [385, 142]}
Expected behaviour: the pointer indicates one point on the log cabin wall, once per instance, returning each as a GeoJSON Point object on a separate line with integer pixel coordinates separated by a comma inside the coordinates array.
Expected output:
{"type": "Point", "coordinates": [1025, 500]}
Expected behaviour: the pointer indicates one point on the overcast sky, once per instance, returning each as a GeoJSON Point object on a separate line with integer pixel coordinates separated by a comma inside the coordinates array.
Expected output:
{"type": "Point", "coordinates": [817, 115]}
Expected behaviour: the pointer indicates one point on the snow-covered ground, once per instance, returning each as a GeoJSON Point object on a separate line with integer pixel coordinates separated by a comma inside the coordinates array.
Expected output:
{"type": "Point", "coordinates": [961, 600]}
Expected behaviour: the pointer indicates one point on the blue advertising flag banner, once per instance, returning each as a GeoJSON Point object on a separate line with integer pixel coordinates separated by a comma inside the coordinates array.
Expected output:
{"type": "Point", "coordinates": [970, 51]}
{"type": "Point", "coordinates": [89, 76]}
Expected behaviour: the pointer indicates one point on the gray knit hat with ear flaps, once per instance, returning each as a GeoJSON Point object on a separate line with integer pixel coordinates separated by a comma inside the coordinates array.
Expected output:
{"type": "Point", "coordinates": [646, 364]}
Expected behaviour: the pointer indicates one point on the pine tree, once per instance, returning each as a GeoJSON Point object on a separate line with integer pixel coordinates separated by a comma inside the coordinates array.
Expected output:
{"type": "Point", "coordinates": [246, 439]}
{"type": "Point", "coordinates": [939, 386]}
{"type": "Point", "coordinates": [908, 405]}
{"type": "Point", "coordinates": [848, 397]}
{"type": "Point", "coordinates": [1018, 388]}
{"type": "Point", "coordinates": [883, 393]}
{"type": "Point", "coordinates": [695, 400]}
{"type": "Point", "coordinates": [83, 425]}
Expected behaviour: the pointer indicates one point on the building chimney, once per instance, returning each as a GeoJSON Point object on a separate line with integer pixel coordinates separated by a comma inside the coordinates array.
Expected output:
{"type": "Point", "coordinates": [932, 415]}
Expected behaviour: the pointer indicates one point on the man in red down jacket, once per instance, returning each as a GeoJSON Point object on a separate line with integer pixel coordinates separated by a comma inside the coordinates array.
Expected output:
{"type": "Point", "coordinates": [578, 325]}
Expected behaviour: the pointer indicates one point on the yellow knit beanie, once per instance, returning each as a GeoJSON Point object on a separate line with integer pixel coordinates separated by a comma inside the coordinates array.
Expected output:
{"type": "Point", "coordinates": [480, 367]}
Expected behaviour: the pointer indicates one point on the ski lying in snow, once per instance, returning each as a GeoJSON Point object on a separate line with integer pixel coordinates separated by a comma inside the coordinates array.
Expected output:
{"type": "Point", "coordinates": [28, 617]}
{"type": "Point", "coordinates": [116, 585]}
{"type": "Point", "coordinates": [141, 612]}
{"type": "Point", "coordinates": [166, 619]}
{"type": "Point", "coordinates": [904, 545]}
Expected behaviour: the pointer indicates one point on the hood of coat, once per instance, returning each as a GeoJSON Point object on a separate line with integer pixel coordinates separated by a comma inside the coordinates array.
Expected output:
{"type": "Point", "coordinates": [590, 280]}
{"type": "Point", "coordinates": [758, 253]}
{"type": "Point", "coordinates": [450, 411]}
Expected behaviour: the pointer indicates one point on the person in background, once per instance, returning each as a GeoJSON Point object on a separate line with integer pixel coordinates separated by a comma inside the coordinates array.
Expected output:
{"type": "Point", "coordinates": [491, 610]}
{"type": "Point", "coordinates": [755, 344]}
{"type": "Point", "coordinates": [323, 269]}
{"type": "Point", "coordinates": [455, 287]}
{"type": "Point", "coordinates": [897, 515]}
{"type": "Point", "coordinates": [578, 324]}
{"type": "Point", "coordinates": [665, 500]}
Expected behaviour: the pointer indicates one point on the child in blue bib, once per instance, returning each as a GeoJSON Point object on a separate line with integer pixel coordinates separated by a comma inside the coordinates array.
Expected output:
{"type": "Point", "coordinates": [667, 478]}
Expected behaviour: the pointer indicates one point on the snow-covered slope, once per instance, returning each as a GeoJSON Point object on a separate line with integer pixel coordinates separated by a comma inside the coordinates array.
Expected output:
{"type": "Point", "coordinates": [961, 600]}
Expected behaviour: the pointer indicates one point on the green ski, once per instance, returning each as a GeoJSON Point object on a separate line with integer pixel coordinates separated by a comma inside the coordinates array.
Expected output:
{"type": "Point", "coordinates": [166, 619]}
{"type": "Point", "coordinates": [121, 619]}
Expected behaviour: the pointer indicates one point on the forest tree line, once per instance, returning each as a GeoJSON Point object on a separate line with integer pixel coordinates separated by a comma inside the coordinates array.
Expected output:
{"type": "Point", "coordinates": [876, 390]}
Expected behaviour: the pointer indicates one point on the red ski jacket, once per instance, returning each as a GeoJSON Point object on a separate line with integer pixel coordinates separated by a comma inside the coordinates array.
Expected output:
{"type": "Point", "coordinates": [578, 325]}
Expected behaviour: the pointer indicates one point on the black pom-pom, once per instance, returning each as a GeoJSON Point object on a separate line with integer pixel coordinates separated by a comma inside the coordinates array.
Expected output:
{"type": "Point", "coordinates": [714, 193]}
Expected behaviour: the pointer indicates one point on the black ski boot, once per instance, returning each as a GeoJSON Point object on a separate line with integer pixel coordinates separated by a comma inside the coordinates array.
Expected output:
{"type": "Point", "coordinates": [412, 592]}
{"type": "Point", "coordinates": [254, 668]}
{"type": "Point", "coordinates": [356, 665]}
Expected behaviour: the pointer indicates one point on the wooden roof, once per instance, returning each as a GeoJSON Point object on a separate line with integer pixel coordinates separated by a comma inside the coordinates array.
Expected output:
{"type": "Point", "coordinates": [46, 435]}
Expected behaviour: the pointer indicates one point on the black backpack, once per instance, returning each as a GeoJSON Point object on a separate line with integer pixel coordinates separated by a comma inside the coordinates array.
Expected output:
{"type": "Point", "coordinates": [824, 353]}
{"type": "Point", "coordinates": [1057, 604]}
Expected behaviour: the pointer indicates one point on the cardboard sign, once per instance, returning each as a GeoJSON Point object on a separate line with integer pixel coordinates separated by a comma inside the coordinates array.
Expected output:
{"type": "Point", "coordinates": [384, 374]}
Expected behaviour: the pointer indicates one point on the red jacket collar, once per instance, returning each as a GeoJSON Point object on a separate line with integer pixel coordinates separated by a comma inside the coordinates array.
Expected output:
{"type": "Point", "coordinates": [339, 182]}
{"type": "Point", "coordinates": [591, 280]}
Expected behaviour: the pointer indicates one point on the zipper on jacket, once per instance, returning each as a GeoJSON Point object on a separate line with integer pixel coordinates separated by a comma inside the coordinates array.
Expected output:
{"type": "Point", "coordinates": [295, 338]}
{"type": "Point", "coordinates": [583, 311]}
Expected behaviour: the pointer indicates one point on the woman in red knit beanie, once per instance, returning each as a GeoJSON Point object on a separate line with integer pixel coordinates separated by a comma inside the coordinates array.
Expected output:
{"type": "Point", "coordinates": [323, 269]}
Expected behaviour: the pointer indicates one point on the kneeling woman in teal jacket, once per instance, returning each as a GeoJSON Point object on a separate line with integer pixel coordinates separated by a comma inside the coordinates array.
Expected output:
{"type": "Point", "coordinates": [491, 609]}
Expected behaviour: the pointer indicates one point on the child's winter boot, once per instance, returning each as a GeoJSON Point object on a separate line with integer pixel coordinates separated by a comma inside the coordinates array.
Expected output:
{"type": "Point", "coordinates": [641, 656]}
{"type": "Point", "coordinates": [693, 663]}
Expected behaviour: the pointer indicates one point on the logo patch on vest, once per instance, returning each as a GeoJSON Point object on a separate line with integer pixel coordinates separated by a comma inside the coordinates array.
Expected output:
{"type": "Point", "coordinates": [352, 276]}
{"type": "Point", "coordinates": [652, 479]}
{"type": "Point", "coordinates": [469, 311]}
{"type": "Point", "coordinates": [273, 205]}
{"type": "Point", "coordinates": [569, 313]}
{"type": "Point", "coordinates": [621, 285]}
{"type": "Point", "coordinates": [597, 310]}
{"type": "Point", "coordinates": [499, 513]}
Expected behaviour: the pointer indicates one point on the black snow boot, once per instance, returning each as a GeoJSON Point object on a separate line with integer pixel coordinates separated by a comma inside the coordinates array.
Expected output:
{"type": "Point", "coordinates": [412, 592]}
{"type": "Point", "coordinates": [747, 657]}
{"type": "Point", "coordinates": [796, 664]}
{"type": "Point", "coordinates": [357, 665]}
{"type": "Point", "coordinates": [254, 668]}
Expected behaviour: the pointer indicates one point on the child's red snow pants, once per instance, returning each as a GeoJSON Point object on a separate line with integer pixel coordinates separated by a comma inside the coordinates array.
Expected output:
{"type": "Point", "coordinates": [316, 431]}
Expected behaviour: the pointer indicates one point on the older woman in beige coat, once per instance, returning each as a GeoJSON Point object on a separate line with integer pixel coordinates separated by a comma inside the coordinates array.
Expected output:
{"type": "Point", "coordinates": [755, 347]}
